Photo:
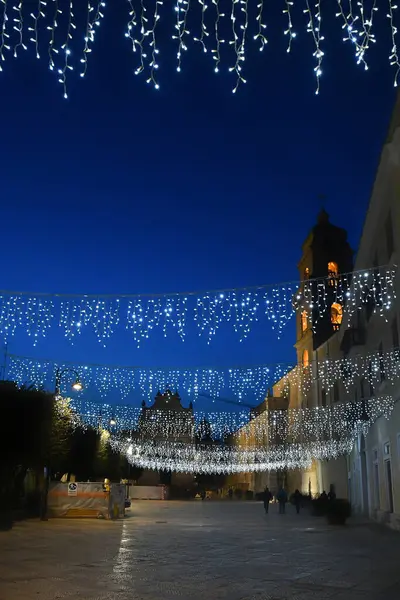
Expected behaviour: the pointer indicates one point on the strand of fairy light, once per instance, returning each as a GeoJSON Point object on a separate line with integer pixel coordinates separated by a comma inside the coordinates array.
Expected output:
{"type": "Point", "coordinates": [41, 5]}
{"type": "Point", "coordinates": [4, 36]}
{"type": "Point", "coordinates": [367, 24]}
{"type": "Point", "coordinates": [203, 28]}
{"type": "Point", "coordinates": [349, 22]}
{"type": "Point", "coordinates": [140, 42]}
{"type": "Point", "coordinates": [153, 44]}
{"type": "Point", "coordinates": [182, 9]}
{"type": "Point", "coordinates": [241, 55]}
{"type": "Point", "coordinates": [52, 28]}
{"type": "Point", "coordinates": [235, 41]}
{"type": "Point", "coordinates": [254, 381]}
{"type": "Point", "coordinates": [19, 28]}
{"type": "Point", "coordinates": [67, 51]}
{"type": "Point", "coordinates": [289, 30]}
{"type": "Point", "coordinates": [93, 21]}
{"type": "Point", "coordinates": [216, 52]}
{"type": "Point", "coordinates": [314, 27]}
{"type": "Point", "coordinates": [239, 308]}
{"type": "Point", "coordinates": [132, 23]}
{"type": "Point", "coordinates": [261, 26]}
{"type": "Point", "coordinates": [393, 57]}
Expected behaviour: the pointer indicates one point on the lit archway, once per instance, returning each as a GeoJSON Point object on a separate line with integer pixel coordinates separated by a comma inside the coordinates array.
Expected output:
{"type": "Point", "coordinates": [336, 315]}
{"type": "Point", "coordinates": [305, 359]}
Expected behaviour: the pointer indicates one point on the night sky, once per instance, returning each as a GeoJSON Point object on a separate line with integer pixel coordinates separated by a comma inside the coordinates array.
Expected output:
{"type": "Point", "coordinates": [124, 189]}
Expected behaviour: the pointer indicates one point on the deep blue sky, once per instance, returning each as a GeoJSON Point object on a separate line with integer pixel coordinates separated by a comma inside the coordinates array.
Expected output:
{"type": "Point", "coordinates": [122, 188]}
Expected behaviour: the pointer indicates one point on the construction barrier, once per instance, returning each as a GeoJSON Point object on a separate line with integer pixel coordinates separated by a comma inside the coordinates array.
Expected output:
{"type": "Point", "coordinates": [93, 499]}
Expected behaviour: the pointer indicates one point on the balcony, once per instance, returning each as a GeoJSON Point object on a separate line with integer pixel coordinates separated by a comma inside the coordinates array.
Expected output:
{"type": "Point", "coordinates": [353, 336]}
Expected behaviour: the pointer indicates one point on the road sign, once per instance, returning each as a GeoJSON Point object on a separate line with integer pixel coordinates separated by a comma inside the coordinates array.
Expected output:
{"type": "Point", "coordinates": [72, 489]}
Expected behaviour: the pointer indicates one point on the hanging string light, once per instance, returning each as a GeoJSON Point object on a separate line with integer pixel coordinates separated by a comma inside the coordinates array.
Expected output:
{"type": "Point", "coordinates": [183, 440]}
{"type": "Point", "coordinates": [216, 52]}
{"type": "Point", "coordinates": [260, 36]}
{"type": "Point", "coordinates": [203, 28]}
{"type": "Point", "coordinates": [237, 308]}
{"type": "Point", "coordinates": [355, 16]}
{"type": "Point", "coordinates": [289, 31]}
{"type": "Point", "coordinates": [393, 57]}
{"type": "Point", "coordinates": [242, 382]}
{"type": "Point", "coordinates": [53, 28]}
{"type": "Point", "coordinates": [40, 14]}
{"type": "Point", "coordinates": [4, 36]}
{"type": "Point", "coordinates": [94, 17]}
{"type": "Point", "coordinates": [314, 27]}
{"type": "Point", "coordinates": [19, 28]}
{"type": "Point", "coordinates": [304, 436]}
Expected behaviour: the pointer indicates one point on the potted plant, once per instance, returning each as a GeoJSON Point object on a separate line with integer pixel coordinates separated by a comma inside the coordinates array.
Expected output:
{"type": "Point", "coordinates": [338, 511]}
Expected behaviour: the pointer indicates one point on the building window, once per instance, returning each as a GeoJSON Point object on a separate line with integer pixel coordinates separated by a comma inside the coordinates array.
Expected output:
{"type": "Point", "coordinates": [306, 274]}
{"type": "Point", "coordinates": [306, 360]}
{"type": "Point", "coordinates": [395, 334]}
{"type": "Point", "coordinates": [336, 315]}
{"type": "Point", "coordinates": [336, 392]}
{"type": "Point", "coordinates": [304, 321]}
{"type": "Point", "coordinates": [333, 272]}
{"type": "Point", "coordinates": [323, 397]}
{"type": "Point", "coordinates": [381, 363]}
{"type": "Point", "coordinates": [389, 235]}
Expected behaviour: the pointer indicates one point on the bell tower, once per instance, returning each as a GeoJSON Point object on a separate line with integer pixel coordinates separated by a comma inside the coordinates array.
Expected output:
{"type": "Point", "coordinates": [326, 255]}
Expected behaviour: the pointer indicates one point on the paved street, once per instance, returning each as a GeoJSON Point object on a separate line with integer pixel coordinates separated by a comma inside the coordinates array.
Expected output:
{"type": "Point", "coordinates": [196, 551]}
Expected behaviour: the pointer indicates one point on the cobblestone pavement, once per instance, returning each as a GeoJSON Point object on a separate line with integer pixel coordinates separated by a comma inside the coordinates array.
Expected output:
{"type": "Point", "coordinates": [199, 551]}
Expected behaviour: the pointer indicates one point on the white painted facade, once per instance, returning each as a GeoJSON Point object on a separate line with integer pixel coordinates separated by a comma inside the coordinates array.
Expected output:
{"type": "Point", "coordinates": [372, 472]}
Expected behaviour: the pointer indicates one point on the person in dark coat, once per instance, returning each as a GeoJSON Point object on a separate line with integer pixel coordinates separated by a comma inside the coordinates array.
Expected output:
{"type": "Point", "coordinates": [297, 500]}
{"type": "Point", "coordinates": [282, 499]}
{"type": "Point", "coordinates": [267, 499]}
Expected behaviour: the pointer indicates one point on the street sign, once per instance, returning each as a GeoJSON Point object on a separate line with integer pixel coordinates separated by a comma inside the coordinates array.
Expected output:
{"type": "Point", "coordinates": [72, 489]}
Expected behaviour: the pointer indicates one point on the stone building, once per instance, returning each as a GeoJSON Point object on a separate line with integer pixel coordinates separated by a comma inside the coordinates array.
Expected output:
{"type": "Point", "coordinates": [166, 420]}
{"type": "Point", "coordinates": [370, 476]}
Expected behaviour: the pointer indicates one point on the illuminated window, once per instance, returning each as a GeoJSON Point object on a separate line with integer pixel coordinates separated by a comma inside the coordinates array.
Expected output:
{"type": "Point", "coordinates": [304, 321]}
{"type": "Point", "coordinates": [333, 272]}
{"type": "Point", "coordinates": [336, 315]}
{"type": "Point", "coordinates": [306, 361]}
{"type": "Point", "coordinates": [306, 273]}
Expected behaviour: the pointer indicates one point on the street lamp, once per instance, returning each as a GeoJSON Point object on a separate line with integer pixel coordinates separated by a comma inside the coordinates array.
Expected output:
{"type": "Point", "coordinates": [77, 384]}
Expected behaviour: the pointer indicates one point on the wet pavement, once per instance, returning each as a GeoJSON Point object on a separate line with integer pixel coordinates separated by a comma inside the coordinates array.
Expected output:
{"type": "Point", "coordinates": [199, 551]}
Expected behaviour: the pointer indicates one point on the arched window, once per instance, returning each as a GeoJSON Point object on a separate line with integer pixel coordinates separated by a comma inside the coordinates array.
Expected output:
{"type": "Point", "coordinates": [333, 272]}
{"type": "Point", "coordinates": [305, 359]}
{"type": "Point", "coordinates": [336, 315]}
{"type": "Point", "coordinates": [304, 321]}
{"type": "Point", "coordinates": [306, 273]}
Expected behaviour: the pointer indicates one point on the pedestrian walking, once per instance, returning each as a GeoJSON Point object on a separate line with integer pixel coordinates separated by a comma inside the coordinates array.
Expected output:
{"type": "Point", "coordinates": [297, 501]}
{"type": "Point", "coordinates": [267, 499]}
{"type": "Point", "coordinates": [282, 499]}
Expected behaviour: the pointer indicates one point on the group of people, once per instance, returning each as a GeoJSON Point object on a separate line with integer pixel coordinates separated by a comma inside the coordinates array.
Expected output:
{"type": "Point", "coordinates": [282, 499]}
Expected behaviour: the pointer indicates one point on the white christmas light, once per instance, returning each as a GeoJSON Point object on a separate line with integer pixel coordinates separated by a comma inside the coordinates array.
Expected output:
{"type": "Point", "coordinates": [242, 381]}
{"type": "Point", "coordinates": [4, 36]}
{"type": "Point", "coordinates": [238, 308]}
{"type": "Point", "coordinates": [94, 17]}
{"type": "Point", "coordinates": [356, 18]}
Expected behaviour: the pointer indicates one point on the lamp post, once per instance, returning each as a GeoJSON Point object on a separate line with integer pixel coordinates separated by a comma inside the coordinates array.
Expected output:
{"type": "Point", "coordinates": [77, 386]}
